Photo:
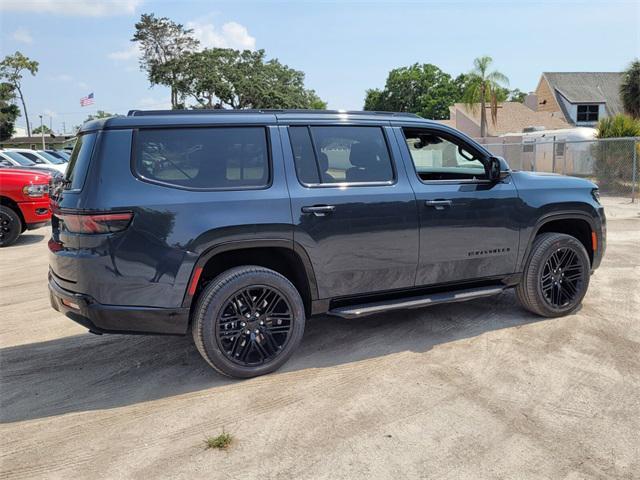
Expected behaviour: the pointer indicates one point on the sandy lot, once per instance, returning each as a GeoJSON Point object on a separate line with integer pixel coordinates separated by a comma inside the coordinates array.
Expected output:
{"type": "Point", "coordinates": [475, 390]}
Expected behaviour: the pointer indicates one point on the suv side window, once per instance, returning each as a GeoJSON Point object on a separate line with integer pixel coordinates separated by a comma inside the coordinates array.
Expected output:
{"type": "Point", "coordinates": [442, 157]}
{"type": "Point", "coordinates": [341, 154]}
{"type": "Point", "coordinates": [203, 158]}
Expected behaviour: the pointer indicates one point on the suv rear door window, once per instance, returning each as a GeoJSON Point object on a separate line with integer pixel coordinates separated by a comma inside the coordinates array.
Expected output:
{"type": "Point", "coordinates": [341, 154]}
{"type": "Point", "coordinates": [203, 158]}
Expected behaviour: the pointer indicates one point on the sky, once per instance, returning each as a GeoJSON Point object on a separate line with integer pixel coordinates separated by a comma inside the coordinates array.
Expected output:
{"type": "Point", "coordinates": [344, 47]}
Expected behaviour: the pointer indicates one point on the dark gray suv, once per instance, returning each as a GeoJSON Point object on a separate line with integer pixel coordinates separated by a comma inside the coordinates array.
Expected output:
{"type": "Point", "coordinates": [239, 225]}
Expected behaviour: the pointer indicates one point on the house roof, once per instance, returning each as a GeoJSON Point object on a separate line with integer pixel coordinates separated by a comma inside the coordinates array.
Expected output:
{"type": "Point", "coordinates": [589, 87]}
{"type": "Point", "coordinates": [513, 117]}
{"type": "Point", "coordinates": [37, 139]}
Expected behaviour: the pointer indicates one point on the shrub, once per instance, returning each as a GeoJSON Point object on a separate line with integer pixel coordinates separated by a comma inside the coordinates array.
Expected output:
{"type": "Point", "coordinates": [614, 159]}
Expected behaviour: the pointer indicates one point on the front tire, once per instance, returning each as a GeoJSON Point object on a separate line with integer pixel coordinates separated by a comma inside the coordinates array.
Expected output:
{"type": "Point", "coordinates": [10, 226]}
{"type": "Point", "coordinates": [248, 321]}
{"type": "Point", "coordinates": [556, 277]}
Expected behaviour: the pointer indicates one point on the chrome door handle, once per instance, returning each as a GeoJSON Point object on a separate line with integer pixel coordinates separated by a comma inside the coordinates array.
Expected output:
{"type": "Point", "coordinates": [319, 210]}
{"type": "Point", "coordinates": [438, 204]}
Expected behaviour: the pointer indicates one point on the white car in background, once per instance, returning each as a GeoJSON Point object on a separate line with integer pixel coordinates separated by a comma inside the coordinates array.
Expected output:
{"type": "Point", "coordinates": [41, 158]}
{"type": "Point", "coordinates": [16, 160]}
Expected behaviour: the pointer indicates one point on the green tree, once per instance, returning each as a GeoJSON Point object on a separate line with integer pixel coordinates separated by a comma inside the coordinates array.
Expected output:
{"type": "Point", "coordinates": [630, 89]}
{"type": "Point", "coordinates": [516, 95]}
{"type": "Point", "coordinates": [613, 165]}
{"type": "Point", "coordinates": [9, 111]}
{"type": "Point", "coordinates": [11, 70]}
{"type": "Point", "coordinates": [96, 116]}
{"type": "Point", "coordinates": [422, 89]}
{"type": "Point", "coordinates": [223, 77]}
{"type": "Point", "coordinates": [164, 45]}
{"type": "Point", "coordinates": [41, 129]}
{"type": "Point", "coordinates": [483, 86]}
{"type": "Point", "coordinates": [618, 126]}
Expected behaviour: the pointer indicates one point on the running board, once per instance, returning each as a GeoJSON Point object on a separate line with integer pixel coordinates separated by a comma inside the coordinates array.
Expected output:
{"type": "Point", "coordinates": [356, 311]}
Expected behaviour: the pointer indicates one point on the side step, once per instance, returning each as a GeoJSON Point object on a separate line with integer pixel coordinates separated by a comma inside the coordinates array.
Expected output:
{"type": "Point", "coordinates": [356, 311]}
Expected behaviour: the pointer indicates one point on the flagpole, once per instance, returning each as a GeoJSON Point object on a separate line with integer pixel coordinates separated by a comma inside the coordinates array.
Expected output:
{"type": "Point", "coordinates": [42, 133]}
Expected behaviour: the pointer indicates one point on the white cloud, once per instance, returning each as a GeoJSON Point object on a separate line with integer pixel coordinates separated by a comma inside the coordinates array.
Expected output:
{"type": "Point", "coordinates": [85, 8]}
{"type": "Point", "coordinates": [63, 77]}
{"type": "Point", "coordinates": [151, 103]}
{"type": "Point", "coordinates": [128, 53]}
{"type": "Point", "coordinates": [22, 35]}
{"type": "Point", "coordinates": [230, 35]}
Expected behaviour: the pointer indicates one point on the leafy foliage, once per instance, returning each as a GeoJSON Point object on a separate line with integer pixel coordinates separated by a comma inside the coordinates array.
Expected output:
{"type": "Point", "coordinates": [630, 89]}
{"type": "Point", "coordinates": [11, 71]}
{"type": "Point", "coordinates": [216, 77]}
{"type": "Point", "coordinates": [422, 89]}
{"type": "Point", "coordinates": [483, 86]}
{"type": "Point", "coordinates": [613, 159]}
{"type": "Point", "coordinates": [42, 129]}
{"type": "Point", "coordinates": [99, 114]}
{"type": "Point", "coordinates": [163, 45]}
{"type": "Point", "coordinates": [227, 78]}
{"type": "Point", "coordinates": [618, 126]}
{"type": "Point", "coordinates": [9, 111]}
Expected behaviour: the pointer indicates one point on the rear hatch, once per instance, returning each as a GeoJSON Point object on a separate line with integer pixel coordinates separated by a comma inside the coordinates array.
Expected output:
{"type": "Point", "coordinates": [66, 196]}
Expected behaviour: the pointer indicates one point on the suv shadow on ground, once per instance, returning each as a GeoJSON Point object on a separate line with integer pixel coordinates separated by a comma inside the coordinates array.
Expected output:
{"type": "Point", "coordinates": [84, 372]}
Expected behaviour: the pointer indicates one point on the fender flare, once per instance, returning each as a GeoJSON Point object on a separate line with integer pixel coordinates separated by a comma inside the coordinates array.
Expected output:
{"type": "Point", "coordinates": [293, 246]}
{"type": "Point", "coordinates": [550, 217]}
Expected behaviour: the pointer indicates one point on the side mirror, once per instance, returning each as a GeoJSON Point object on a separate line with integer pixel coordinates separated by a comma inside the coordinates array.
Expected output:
{"type": "Point", "coordinates": [493, 169]}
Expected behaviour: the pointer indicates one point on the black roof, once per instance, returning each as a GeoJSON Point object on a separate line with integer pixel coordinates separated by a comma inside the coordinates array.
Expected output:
{"type": "Point", "coordinates": [147, 118]}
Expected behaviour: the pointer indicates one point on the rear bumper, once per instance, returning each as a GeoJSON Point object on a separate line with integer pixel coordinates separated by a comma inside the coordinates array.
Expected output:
{"type": "Point", "coordinates": [100, 318]}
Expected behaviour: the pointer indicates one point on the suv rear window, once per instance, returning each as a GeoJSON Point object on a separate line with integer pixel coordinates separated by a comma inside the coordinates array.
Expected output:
{"type": "Point", "coordinates": [203, 158]}
{"type": "Point", "coordinates": [341, 154]}
{"type": "Point", "coordinates": [79, 161]}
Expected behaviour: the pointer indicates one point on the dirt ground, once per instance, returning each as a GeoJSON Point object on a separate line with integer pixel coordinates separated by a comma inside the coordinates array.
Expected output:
{"type": "Point", "coordinates": [474, 390]}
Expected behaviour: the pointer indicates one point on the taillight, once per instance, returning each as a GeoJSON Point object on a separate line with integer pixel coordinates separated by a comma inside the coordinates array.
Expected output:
{"type": "Point", "coordinates": [95, 222]}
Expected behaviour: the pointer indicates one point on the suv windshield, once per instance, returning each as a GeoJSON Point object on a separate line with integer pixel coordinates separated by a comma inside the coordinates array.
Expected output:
{"type": "Point", "coordinates": [24, 161]}
{"type": "Point", "coordinates": [50, 158]}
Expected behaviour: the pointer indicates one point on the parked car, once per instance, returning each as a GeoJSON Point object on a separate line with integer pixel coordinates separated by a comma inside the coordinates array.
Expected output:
{"type": "Point", "coordinates": [61, 154]}
{"type": "Point", "coordinates": [16, 160]}
{"type": "Point", "coordinates": [238, 226]}
{"type": "Point", "coordinates": [39, 157]}
{"type": "Point", "coordinates": [24, 202]}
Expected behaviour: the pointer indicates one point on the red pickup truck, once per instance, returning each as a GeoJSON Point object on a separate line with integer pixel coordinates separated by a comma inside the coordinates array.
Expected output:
{"type": "Point", "coordinates": [24, 202]}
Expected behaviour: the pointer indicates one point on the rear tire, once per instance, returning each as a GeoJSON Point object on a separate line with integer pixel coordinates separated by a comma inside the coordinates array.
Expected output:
{"type": "Point", "coordinates": [10, 226]}
{"type": "Point", "coordinates": [248, 321]}
{"type": "Point", "coordinates": [556, 277]}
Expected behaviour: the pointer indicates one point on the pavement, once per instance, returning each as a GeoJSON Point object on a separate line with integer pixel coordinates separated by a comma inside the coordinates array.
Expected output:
{"type": "Point", "coordinates": [473, 390]}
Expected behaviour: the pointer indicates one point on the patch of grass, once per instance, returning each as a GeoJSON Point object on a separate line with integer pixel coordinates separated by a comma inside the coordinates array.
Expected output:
{"type": "Point", "coordinates": [221, 442]}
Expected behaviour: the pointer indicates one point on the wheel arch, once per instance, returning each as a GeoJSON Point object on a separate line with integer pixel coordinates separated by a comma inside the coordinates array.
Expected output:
{"type": "Point", "coordinates": [577, 224]}
{"type": "Point", "coordinates": [12, 204]}
{"type": "Point", "coordinates": [283, 256]}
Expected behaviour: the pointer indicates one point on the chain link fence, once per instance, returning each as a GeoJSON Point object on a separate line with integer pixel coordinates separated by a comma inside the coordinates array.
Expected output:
{"type": "Point", "coordinates": [612, 163]}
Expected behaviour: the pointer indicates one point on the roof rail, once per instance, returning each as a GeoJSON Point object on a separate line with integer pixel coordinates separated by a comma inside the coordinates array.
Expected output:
{"type": "Point", "coordinates": [217, 111]}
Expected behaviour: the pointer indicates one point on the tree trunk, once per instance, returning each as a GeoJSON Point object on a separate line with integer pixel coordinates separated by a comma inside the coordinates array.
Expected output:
{"type": "Point", "coordinates": [24, 109]}
{"type": "Point", "coordinates": [483, 113]}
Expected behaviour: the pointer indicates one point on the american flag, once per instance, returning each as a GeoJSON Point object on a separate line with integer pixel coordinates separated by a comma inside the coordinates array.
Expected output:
{"type": "Point", "coordinates": [88, 100]}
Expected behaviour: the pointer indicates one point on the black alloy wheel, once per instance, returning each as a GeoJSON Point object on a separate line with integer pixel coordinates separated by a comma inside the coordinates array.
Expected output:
{"type": "Point", "coordinates": [254, 325]}
{"type": "Point", "coordinates": [561, 277]}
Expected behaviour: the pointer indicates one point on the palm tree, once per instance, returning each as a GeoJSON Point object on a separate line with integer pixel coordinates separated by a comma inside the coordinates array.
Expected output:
{"type": "Point", "coordinates": [630, 89]}
{"type": "Point", "coordinates": [482, 87]}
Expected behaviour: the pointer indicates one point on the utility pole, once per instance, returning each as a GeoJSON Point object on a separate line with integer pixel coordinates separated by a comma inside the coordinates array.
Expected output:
{"type": "Point", "coordinates": [42, 132]}
{"type": "Point", "coordinates": [64, 128]}
{"type": "Point", "coordinates": [50, 123]}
